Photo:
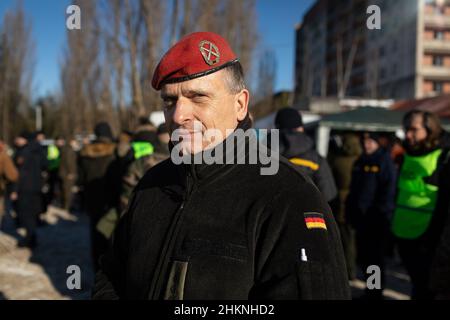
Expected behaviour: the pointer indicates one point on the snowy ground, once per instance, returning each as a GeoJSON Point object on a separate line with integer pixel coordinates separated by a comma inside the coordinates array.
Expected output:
{"type": "Point", "coordinates": [42, 273]}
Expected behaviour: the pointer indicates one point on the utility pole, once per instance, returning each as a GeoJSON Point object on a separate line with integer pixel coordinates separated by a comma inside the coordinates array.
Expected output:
{"type": "Point", "coordinates": [38, 117]}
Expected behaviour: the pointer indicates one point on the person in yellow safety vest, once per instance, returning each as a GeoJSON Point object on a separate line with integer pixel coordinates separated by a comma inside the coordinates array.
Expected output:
{"type": "Point", "coordinates": [419, 200]}
{"type": "Point", "coordinates": [54, 161]}
{"type": "Point", "coordinates": [53, 157]}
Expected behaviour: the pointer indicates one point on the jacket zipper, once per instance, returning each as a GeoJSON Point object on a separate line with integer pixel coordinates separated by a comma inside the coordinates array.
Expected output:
{"type": "Point", "coordinates": [156, 286]}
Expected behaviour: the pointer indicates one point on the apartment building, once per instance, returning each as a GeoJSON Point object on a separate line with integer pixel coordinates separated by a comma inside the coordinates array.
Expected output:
{"type": "Point", "coordinates": [409, 57]}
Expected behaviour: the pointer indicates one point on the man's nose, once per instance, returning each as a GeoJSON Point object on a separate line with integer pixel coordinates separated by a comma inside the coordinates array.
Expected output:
{"type": "Point", "coordinates": [409, 135]}
{"type": "Point", "coordinates": [182, 112]}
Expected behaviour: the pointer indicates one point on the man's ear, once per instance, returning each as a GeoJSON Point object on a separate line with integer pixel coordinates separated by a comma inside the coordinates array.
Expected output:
{"type": "Point", "coordinates": [241, 104]}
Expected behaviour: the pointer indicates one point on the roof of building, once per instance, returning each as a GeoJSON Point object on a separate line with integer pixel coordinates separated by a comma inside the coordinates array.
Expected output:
{"type": "Point", "coordinates": [368, 119]}
{"type": "Point", "coordinates": [439, 105]}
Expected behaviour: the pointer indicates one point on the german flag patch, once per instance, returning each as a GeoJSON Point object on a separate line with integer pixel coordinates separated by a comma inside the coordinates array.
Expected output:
{"type": "Point", "coordinates": [315, 220]}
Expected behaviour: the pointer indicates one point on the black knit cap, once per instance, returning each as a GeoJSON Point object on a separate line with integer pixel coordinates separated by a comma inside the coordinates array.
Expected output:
{"type": "Point", "coordinates": [288, 118]}
{"type": "Point", "coordinates": [162, 128]}
{"type": "Point", "coordinates": [145, 136]}
{"type": "Point", "coordinates": [103, 130]}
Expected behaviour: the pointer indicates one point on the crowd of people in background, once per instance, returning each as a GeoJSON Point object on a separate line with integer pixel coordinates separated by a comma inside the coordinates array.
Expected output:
{"type": "Point", "coordinates": [400, 200]}
{"type": "Point", "coordinates": [387, 195]}
{"type": "Point", "coordinates": [95, 176]}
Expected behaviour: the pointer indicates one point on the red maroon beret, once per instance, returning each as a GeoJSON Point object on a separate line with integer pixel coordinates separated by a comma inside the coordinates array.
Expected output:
{"type": "Point", "coordinates": [196, 55]}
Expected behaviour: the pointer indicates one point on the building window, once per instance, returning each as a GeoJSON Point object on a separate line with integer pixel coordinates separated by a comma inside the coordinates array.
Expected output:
{"type": "Point", "coordinates": [438, 87]}
{"type": "Point", "coordinates": [439, 35]}
{"type": "Point", "coordinates": [383, 74]}
{"type": "Point", "coordinates": [438, 60]}
{"type": "Point", "coordinates": [394, 70]}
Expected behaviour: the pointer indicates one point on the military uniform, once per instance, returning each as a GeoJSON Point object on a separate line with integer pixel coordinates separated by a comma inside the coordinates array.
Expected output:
{"type": "Point", "coordinates": [224, 232]}
{"type": "Point", "coordinates": [369, 208]}
{"type": "Point", "coordinates": [221, 231]}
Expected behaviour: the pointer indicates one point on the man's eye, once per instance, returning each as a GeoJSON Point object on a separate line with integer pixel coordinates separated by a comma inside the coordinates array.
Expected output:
{"type": "Point", "coordinates": [168, 103]}
{"type": "Point", "coordinates": [199, 96]}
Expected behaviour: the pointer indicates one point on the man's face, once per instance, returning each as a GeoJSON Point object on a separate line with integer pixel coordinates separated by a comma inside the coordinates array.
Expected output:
{"type": "Point", "coordinates": [416, 133]}
{"type": "Point", "coordinates": [369, 145]}
{"type": "Point", "coordinates": [40, 137]}
{"type": "Point", "coordinates": [60, 143]}
{"type": "Point", "coordinates": [164, 138]}
{"type": "Point", "coordinates": [20, 141]}
{"type": "Point", "coordinates": [202, 104]}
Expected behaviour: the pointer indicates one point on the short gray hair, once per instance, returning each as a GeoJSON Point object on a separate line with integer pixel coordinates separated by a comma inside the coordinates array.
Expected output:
{"type": "Point", "coordinates": [235, 77]}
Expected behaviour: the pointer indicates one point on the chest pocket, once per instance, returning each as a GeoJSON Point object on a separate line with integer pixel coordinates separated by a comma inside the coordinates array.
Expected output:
{"type": "Point", "coordinates": [206, 247]}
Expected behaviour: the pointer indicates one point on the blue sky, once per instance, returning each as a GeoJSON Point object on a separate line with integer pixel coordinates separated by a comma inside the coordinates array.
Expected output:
{"type": "Point", "coordinates": [276, 22]}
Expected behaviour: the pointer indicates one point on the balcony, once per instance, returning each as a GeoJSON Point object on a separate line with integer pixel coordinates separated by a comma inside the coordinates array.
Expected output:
{"type": "Point", "coordinates": [436, 72]}
{"type": "Point", "coordinates": [436, 46]}
{"type": "Point", "coordinates": [436, 20]}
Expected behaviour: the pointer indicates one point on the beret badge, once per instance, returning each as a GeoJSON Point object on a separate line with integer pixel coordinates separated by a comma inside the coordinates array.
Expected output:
{"type": "Point", "coordinates": [210, 52]}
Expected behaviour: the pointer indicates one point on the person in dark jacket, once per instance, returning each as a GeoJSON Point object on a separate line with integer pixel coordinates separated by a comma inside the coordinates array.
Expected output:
{"type": "Point", "coordinates": [31, 163]}
{"type": "Point", "coordinates": [99, 194]}
{"type": "Point", "coordinates": [370, 204]}
{"type": "Point", "coordinates": [296, 146]}
{"type": "Point", "coordinates": [439, 231]}
{"type": "Point", "coordinates": [341, 163]}
{"type": "Point", "coordinates": [222, 230]}
{"type": "Point", "coordinates": [145, 156]}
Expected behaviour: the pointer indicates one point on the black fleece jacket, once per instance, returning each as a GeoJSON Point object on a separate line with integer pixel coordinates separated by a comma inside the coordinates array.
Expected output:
{"type": "Point", "coordinates": [297, 145]}
{"type": "Point", "coordinates": [224, 231]}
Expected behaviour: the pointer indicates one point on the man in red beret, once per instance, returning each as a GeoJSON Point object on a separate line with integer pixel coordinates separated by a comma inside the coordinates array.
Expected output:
{"type": "Point", "coordinates": [222, 230]}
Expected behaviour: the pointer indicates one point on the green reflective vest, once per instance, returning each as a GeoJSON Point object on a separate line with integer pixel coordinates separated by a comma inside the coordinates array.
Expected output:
{"type": "Point", "coordinates": [142, 149]}
{"type": "Point", "coordinates": [416, 199]}
{"type": "Point", "coordinates": [53, 157]}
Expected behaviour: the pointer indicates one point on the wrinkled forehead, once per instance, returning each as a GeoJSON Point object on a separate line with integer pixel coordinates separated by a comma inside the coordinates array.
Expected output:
{"type": "Point", "coordinates": [211, 83]}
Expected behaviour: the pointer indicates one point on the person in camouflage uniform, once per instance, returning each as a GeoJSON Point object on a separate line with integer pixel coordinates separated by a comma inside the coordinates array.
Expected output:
{"type": "Point", "coordinates": [147, 154]}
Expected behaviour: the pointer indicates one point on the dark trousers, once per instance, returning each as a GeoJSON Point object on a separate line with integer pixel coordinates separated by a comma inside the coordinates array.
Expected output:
{"type": "Point", "coordinates": [28, 210]}
{"type": "Point", "coordinates": [371, 240]}
{"type": "Point", "coordinates": [416, 258]}
{"type": "Point", "coordinates": [349, 246]}
{"type": "Point", "coordinates": [99, 243]}
{"type": "Point", "coordinates": [54, 187]}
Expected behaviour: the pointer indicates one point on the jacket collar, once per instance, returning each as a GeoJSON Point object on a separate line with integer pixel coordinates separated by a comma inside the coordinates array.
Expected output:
{"type": "Point", "coordinates": [203, 171]}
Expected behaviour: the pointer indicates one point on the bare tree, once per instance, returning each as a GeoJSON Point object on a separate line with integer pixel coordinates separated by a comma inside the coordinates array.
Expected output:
{"type": "Point", "coordinates": [133, 28]}
{"type": "Point", "coordinates": [266, 75]}
{"type": "Point", "coordinates": [235, 20]}
{"type": "Point", "coordinates": [343, 75]}
{"type": "Point", "coordinates": [153, 15]}
{"type": "Point", "coordinates": [16, 69]}
{"type": "Point", "coordinates": [130, 36]}
{"type": "Point", "coordinates": [174, 22]}
{"type": "Point", "coordinates": [112, 32]}
{"type": "Point", "coordinates": [81, 73]}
